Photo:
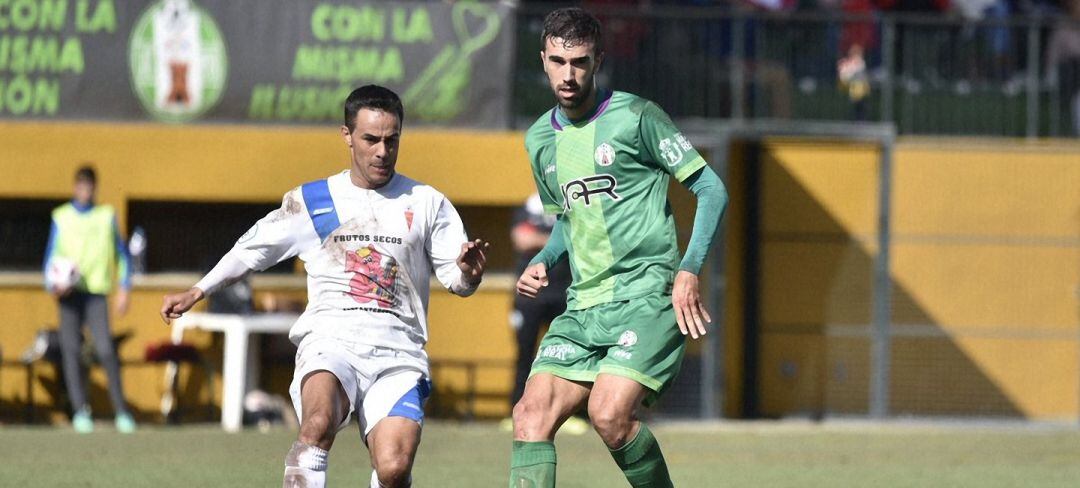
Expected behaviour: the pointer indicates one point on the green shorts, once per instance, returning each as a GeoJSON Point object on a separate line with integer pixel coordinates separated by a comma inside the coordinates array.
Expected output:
{"type": "Point", "coordinates": [636, 339]}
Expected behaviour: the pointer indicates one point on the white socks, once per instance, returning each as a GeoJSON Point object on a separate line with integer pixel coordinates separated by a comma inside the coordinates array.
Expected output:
{"type": "Point", "coordinates": [375, 480]}
{"type": "Point", "coordinates": [305, 467]}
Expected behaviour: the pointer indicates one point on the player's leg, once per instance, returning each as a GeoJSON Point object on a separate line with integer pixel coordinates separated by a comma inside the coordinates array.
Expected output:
{"type": "Point", "coordinates": [97, 320]}
{"type": "Point", "coordinates": [565, 366]}
{"type": "Point", "coordinates": [71, 318]}
{"type": "Point", "coordinates": [612, 408]}
{"type": "Point", "coordinates": [643, 361]}
{"type": "Point", "coordinates": [393, 444]}
{"type": "Point", "coordinates": [325, 407]}
{"type": "Point", "coordinates": [392, 415]}
{"type": "Point", "coordinates": [547, 402]}
{"type": "Point", "coordinates": [323, 393]}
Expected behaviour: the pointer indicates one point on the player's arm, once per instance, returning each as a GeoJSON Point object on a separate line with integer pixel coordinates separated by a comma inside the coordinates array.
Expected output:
{"type": "Point", "coordinates": [534, 277]}
{"type": "Point", "coordinates": [279, 235]}
{"type": "Point", "coordinates": [50, 249]}
{"type": "Point", "coordinates": [123, 269]}
{"type": "Point", "coordinates": [458, 262]}
{"type": "Point", "coordinates": [672, 152]}
{"type": "Point", "coordinates": [712, 199]}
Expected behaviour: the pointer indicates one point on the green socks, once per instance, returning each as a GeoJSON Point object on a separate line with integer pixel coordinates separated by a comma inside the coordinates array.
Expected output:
{"type": "Point", "coordinates": [532, 465]}
{"type": "Point", "coordinates": [642, 462]}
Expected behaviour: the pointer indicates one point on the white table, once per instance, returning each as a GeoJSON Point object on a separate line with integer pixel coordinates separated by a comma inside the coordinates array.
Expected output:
{"type": "Point", "coordinates": [241, 363]}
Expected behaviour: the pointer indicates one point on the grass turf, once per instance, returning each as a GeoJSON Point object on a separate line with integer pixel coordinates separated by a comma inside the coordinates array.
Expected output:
{"type": "Point", "coordinates": [454, 455]}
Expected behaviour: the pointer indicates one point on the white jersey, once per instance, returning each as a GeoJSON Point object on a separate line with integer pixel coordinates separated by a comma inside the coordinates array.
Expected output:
{"type": "Point", "coordinates": [369, 255]}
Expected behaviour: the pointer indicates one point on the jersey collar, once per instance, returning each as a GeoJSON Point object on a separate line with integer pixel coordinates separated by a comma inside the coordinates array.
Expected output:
{"type": "Point", "coordinates": [394, 180]}
{"type": "Point", "coordinates": [80, 208]}
{"type": "Point", "coordinates": [560, 120]}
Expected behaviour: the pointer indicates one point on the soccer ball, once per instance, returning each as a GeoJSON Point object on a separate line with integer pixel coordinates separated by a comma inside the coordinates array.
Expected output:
{"type": "Point", "coordinates": [62, 273]}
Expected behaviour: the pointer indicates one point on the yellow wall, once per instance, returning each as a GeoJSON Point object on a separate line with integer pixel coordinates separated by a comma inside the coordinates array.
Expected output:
{"type": "Point", "coordinates": [986, 258]}
{"type": "Point", "coordinates": [986, 268]}
{"type": "Point", "coordinates": [246, 163]}
{"type": "Point", "coordinates": [256, 164]}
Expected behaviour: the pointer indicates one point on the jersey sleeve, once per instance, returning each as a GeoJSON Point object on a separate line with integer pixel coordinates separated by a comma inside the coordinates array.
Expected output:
{"type": "Point", "coordinates": [444, 246]}
{"type": "Point", "coordinates": [666, 146]}
{"type": "Point", "coordinates": [540, 172]}
{"type": "Point", "coordinates": [123, 257]}
{"type": "Point", "coordinates": [280, 235]}
{"type": "Point", "coordinates": [50, 248]}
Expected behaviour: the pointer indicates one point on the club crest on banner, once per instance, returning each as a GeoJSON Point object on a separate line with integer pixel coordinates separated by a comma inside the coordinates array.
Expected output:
{"type": "Point", "coordinates": [177, 60]}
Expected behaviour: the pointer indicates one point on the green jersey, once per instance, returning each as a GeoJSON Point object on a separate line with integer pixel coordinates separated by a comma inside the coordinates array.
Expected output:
{"type": "Point", "coordinates": [608, 175]}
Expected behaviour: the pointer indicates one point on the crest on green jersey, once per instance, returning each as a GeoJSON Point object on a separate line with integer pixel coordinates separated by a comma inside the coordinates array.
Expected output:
{"type": "Point", "coordinates": [605, 154]}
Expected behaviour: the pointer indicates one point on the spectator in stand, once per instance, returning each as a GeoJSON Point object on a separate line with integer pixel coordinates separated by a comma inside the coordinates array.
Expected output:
{"type": "Point", "coordinates": [851, 72]}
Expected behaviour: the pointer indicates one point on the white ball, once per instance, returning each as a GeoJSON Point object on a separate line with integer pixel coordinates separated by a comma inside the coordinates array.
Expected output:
{"type": "Point", "coordinates": [62, 273]}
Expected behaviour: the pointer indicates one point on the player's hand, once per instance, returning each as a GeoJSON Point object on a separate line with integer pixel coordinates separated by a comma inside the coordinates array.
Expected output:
{"type": "Point", "coordinates": [472, 260]}
{"type": "Point", "coordinates": [60, 292]}
{"type": "Point", "coordinates": [174, 305]}
{"type": "Point", "coordinates": [532, 280]}
{"type": "Point", "coordinates": [121, 302]}
{"type": "Point", "coordinates": [690, 313]}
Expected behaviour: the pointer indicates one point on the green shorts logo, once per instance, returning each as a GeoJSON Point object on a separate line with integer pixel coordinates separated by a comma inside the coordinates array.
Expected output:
{"type": "Point", "coordinates": [178, 61]}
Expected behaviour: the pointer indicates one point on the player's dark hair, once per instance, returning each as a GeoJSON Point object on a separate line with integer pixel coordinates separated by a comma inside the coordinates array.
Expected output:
{"type": "Point", "coordinates": [574, 26]}
{"type": "Point", "coordinates": [86, 173]}
{"type": "Point", "coordinates": [372, 97]}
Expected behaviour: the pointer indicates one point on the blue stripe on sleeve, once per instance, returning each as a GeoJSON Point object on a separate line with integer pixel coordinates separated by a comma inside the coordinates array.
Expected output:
{"type": "Point", "coordinates": [320, 207]}
{"type": "Point", "coordinates": [50, 247]}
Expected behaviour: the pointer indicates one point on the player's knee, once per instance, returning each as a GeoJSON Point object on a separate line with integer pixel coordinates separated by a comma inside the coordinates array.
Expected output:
{"type": "Point", "coordinates": [316, 429]}
{"type": "Point", "coordinates": [528, 419]}
{"type": "Point", "coordinates": [523, 412]}
{"type": "Point", "coordinates": [393, 471]}
{"type": "Point", "coordinates": [612, 425]}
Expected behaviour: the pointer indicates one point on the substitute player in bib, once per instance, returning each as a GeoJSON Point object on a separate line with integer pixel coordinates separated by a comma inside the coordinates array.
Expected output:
{"type": "Point", "coordinates": [602, 161]}
{"type": "Point", "coordinates": [369, 239]}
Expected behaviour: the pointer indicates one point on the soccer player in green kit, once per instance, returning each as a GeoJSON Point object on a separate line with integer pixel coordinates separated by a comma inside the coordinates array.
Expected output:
{"type": "Point", "coordinates": [602, 161]}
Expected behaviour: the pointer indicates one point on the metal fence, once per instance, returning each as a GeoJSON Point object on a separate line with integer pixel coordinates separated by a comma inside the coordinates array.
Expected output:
{"type": "Point", "coordinates": [882, 279]}
{"type": "Point", "coordinates": [940, 75]}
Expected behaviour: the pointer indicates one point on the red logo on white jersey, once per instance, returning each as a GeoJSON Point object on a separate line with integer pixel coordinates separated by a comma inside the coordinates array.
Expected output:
{"type": "Point", "coordinates": [375, 276]}
{"type": "Point", "coordinates": [408, 218]}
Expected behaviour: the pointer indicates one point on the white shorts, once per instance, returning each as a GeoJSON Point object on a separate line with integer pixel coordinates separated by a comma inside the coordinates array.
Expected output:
{"type": "Point", "coordinates": [379, 382]}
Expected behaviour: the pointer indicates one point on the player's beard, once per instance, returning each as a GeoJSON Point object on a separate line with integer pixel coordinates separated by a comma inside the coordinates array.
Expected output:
{"type": "Point", "coordinates": [582, 95]}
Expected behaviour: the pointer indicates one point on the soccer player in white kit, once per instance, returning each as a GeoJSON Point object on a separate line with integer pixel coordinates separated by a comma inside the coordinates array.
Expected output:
{"type": "Point", "coordinates": [370, 239]}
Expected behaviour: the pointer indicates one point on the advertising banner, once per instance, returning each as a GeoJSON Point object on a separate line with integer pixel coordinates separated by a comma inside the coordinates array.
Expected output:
{"type": "Point", "coordinates": [252, 61]}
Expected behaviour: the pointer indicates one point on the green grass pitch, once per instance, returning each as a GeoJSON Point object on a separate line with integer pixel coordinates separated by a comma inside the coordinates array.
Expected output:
{"type": "Point", "coordinates": [770, 454]}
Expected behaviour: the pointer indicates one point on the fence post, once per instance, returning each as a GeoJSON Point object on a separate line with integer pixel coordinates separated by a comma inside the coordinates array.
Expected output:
{"type": "Point", "coordinates": [880, 353]}
{"type": "Point", "coordinates": [888, 54]}
{"type": "Point", "coordinates": [713, 382]}
{"type": "Point", "coordinates": [738, 75]}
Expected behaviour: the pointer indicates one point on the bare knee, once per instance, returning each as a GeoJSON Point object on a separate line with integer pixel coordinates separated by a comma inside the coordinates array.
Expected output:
{"type": "Point", "coordinates": [614, 425]}
{"type": "Point", "coordinates": [317, 429]}
{"type": "Point", "coordinates": [393, 470]}
{"type": "Point", "coordinates": [530, 422]}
